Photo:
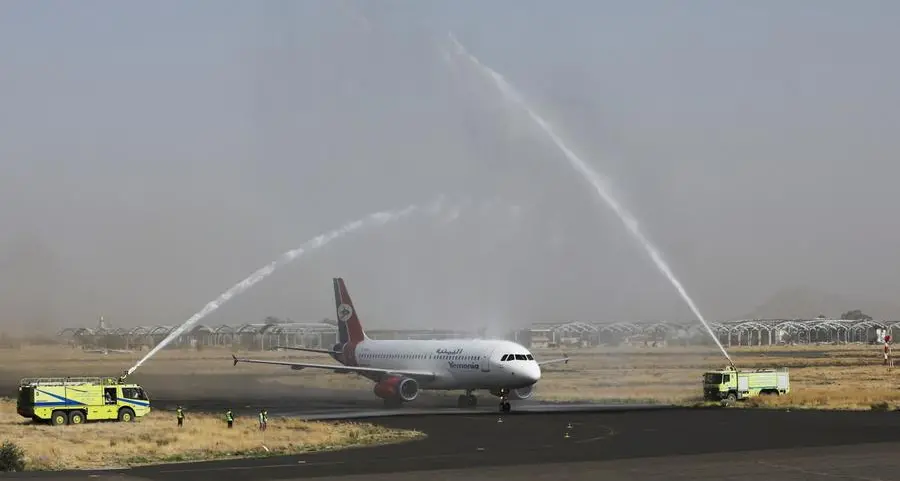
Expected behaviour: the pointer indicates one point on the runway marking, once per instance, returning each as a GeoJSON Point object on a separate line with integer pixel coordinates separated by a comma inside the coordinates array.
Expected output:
{"type": "Point", "coordinates": [816, 473]}
{"type": "Point", "coordinates": [265, 466]}
{"type": "Point", "coordinates": [610, 432]}
{"type": "Point", "coordinates": [316, 463]}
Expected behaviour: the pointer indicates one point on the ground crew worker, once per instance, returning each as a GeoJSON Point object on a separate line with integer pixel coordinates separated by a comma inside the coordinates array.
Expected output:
{"type": "Point", "coordinates": [887, 351]}
{"type": "Point", "coordinates": [179, 414]}
{"type": "Point", "coordinates": [263, 419]}
{"type": "Point", "coordinates": [229, 418]}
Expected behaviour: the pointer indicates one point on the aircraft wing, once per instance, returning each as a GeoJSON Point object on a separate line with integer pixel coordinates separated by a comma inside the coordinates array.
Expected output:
{"type": "Point", "coordinates": [309, 349]}
{"type": "Point", "coordinates": [417, 375]}
{"type": "Point", "coordinates": [554, 361]}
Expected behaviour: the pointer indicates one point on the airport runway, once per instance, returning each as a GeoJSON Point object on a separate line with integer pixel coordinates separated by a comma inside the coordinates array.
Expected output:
{"type": "Point", "coordinates": [331, 405]}
{"type": "Point", "coordinates": [673, 444]}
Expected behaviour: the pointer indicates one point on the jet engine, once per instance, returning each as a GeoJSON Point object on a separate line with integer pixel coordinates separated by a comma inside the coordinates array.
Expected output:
{"type": "Point", "coordinates": [517, 394]}
{"type": "Point", "coordinates": [397, 389]}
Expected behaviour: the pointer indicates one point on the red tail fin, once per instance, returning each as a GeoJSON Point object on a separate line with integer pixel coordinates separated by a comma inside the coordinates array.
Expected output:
{"type": "Point", "coordinates": [346, 313]}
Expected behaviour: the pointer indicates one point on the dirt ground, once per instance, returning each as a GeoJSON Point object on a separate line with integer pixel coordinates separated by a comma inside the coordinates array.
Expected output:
{"type": "Point", "coordinates": [822, 376]}
{"type": "Point", "coordinates": [154, 438]}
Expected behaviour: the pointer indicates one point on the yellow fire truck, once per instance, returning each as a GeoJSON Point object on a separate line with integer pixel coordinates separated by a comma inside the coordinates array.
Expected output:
{"type": "Point", "coordinates": [75, 400]}
{"type": "Point", "coordinates": [730, 385]}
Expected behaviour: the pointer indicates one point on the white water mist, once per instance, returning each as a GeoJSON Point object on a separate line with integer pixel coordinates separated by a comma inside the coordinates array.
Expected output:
{"type": "Point", "coordinates": [378, 218]}
{"type": "Point", "coordinates": [597, 181]}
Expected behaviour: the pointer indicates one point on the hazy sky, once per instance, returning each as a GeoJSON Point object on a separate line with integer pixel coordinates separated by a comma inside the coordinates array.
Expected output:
{"type": "Point", "coordinates": [153, 154]}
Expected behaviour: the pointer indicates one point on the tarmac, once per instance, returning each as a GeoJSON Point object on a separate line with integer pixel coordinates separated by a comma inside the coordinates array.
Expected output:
{"type": "Point", "coordinates": [580, 442]}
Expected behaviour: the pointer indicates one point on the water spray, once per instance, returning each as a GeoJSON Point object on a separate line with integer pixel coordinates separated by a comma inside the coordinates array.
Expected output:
{"type": "Point", "coordinates": [378, 218]}
{"type": "Point", "coordinates": [599, 182]}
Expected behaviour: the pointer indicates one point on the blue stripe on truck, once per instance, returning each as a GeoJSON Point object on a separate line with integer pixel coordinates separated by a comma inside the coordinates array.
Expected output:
{"type": "Point", "coordinates": [62, 401]}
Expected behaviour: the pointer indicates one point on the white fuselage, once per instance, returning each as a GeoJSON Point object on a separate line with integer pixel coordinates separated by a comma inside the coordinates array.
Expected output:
{"type": "Point", "coordinates": [457, 364]}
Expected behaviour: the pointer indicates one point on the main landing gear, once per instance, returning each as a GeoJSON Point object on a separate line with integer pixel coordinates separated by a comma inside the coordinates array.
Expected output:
{"type": "Point", "coordinates": [467, 400]}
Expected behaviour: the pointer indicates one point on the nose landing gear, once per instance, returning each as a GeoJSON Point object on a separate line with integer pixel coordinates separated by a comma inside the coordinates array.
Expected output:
{"type": "Point", "coordinates": [504, 401]}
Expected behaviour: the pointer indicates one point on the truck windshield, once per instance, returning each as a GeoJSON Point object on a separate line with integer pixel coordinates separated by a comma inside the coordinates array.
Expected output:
{"type": "Point", "coordinates": [713, 378]}
{"type": "Point", "coordinates": [134, 393]}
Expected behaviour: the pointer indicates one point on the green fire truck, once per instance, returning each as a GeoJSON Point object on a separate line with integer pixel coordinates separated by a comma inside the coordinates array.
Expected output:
{"type": "Point", "coordinates": [75, 400]}
{"type": "Point", "coordinates": [729, 384]}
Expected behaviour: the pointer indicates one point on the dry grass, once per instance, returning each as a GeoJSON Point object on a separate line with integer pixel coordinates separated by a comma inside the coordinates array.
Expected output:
{"type": "Point", "coordinates": [155, 438]}
{"type": "Point", "coordinates": [58, 361]}
{"type": "Point", "coordinates": [822, 377]}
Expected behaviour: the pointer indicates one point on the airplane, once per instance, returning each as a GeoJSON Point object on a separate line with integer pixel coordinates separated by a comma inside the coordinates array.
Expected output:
{"type": "Point", "coordinates": [401, 368]}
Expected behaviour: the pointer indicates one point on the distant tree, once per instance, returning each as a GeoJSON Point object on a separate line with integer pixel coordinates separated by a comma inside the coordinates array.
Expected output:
{"type": "Point", "coordinates": [856, 315]}
{"type": "Point", "coordinates": [821, 316]}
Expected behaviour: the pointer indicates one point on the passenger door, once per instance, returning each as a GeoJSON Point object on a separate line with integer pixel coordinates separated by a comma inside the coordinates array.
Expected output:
{"type": "Point", "coordinates": [486, 362]}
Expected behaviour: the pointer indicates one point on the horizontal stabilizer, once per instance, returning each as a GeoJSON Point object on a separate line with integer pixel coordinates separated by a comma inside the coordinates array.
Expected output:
{"type": "Point", "coordinates": [309, 349]}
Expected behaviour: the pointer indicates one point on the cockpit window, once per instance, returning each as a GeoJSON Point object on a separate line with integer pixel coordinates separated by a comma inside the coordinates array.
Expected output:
{"type": "Point", "coordinates": [521, 357]}
{"type": "Point", "coordinates": [529, 357]}
{"type": "Point", "coordinates": [504, 357]}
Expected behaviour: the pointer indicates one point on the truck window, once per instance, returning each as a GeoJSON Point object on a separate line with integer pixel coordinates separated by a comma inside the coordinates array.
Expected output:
{"type": "Point", "coordinates": [133, 393]}
{"type": "Point", "coordinates": [726, 378]}
{"type": "Point", "coordinates": [713, 378]}
{"type": "Point", "coordinates": [109, 395]}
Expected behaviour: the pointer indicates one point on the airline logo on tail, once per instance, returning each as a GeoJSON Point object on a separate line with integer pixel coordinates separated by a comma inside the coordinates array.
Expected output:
{"type": "Point", "coordinates": [344, 311]}
{"type": "Point", "coordinates": [346, 314]}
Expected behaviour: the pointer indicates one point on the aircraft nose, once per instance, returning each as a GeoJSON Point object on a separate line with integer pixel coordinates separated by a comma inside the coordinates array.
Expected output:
{"type": "Point", "coordinates": [531, 372]}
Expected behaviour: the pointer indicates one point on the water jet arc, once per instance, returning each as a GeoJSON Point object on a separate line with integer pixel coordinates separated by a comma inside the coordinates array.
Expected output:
{"type": "Point", "coordinates": [596, 180]}
{"type": "Point", "coordinates": [378, 218]}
